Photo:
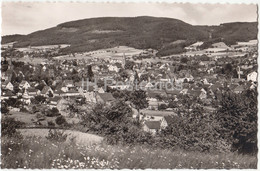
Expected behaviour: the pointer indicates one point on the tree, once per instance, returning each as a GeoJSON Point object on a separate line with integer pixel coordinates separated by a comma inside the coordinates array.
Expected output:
{"type": "Point", "coordinates": [138, 99]}
{"type": "Point", "coordinates": [39, 99]}
{"type": "Point", "coordinates": [144, 77]}
{"type": "Point", "coordinates": [238, 119]}
{"type": "Point", "coordinates": [184, 60]}
{"type": "Point", "coordinates": [60, 120]}
{"type": "Point", "coordinates": [90, 73]}
{"type": "Point", "coordinates": [4, 108]}
{"type": "Point", "coordinates": [162, 107]}
{"type": "Point", "coordinates": [124, 75]}
{"type": "Point", "coordinates": [129, 65]}
{"type": "Point", "coordinates": [50, 94]}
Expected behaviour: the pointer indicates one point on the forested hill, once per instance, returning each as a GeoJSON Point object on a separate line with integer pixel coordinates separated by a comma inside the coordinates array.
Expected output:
{"type": "Point", "coordinates": [139, 32]}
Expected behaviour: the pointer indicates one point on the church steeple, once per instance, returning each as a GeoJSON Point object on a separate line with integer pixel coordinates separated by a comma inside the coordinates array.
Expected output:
{"type": "Point", "coordinates": [124, 60]}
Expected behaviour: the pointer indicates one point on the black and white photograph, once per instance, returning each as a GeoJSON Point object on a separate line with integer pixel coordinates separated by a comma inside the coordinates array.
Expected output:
{"type": "Point", "coordinates": [138, 85]}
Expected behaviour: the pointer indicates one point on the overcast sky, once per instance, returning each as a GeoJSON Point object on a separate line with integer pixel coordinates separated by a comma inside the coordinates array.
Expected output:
{"type": "Point", "coordinates": [25, 18]}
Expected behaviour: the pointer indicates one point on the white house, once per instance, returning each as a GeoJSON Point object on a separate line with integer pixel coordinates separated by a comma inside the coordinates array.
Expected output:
{"type": "Point", "coordinates": [8, 85]}
{"type": "Point", "coordinates": [113, 68]}
{"type": "Point", "coordinates": [252, 76]}
{"type": "Point", "coordinates": [24, 84]}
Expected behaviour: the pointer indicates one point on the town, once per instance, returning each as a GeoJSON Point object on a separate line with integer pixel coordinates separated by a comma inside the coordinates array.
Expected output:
{"type": "Point", "coordinates": [40, 84]}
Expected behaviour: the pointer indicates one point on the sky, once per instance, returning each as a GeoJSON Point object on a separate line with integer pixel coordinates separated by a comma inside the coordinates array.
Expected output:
{"type": "Point", "coordinates": [27, 17]}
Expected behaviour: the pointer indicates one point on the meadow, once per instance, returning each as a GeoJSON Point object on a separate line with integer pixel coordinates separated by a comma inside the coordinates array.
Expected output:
{"type": "Point", "coordinates": [38, 152]}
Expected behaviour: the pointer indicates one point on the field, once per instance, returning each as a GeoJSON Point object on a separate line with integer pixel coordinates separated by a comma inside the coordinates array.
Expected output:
{"type": "Point", "coordinates": [33, 152]}
{"type": "Point", "coordinates": [34, 60]}
{"type": "Point", "coordinates": [115, 53]}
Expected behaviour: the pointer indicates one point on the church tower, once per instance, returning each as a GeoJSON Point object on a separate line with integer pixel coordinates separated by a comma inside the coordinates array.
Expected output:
{"type": "Point", "coordinates": [124, 61]}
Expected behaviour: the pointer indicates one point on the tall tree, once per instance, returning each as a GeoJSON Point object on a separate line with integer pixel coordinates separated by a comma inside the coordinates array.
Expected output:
{"type": "Point", "coordinates": [139, 101]}
{"type": "Point", "coordinates": [90, 73]}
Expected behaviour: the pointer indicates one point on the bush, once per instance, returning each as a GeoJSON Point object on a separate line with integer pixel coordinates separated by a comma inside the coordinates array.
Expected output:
{"type": "Point", "coordinates": [9, 126]}
{"type": "Point", "coordinates": [51, 124]}
{"type": "Point", "coordinates": [56, 136]}
{"type": "Point", "coordinates": [162, 107]}
{"type": "Point", "coordinates": [52, 112]}
{"type": "Point", "coordinates": [60, 120]}
{"type": "Point", "coordinates": [238, 119]}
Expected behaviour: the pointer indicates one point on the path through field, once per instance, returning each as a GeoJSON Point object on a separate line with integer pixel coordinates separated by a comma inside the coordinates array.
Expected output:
{"type": "Point", "coordinates": [80, 137]}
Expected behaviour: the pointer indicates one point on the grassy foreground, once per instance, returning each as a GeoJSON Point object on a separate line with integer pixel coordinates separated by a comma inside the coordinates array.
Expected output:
{"type": "Point", "coordinates": [33, 152]}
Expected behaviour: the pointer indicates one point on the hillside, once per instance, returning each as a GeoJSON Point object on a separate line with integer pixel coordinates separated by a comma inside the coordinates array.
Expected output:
{"type": "Point", "coordinates": [137, 32]}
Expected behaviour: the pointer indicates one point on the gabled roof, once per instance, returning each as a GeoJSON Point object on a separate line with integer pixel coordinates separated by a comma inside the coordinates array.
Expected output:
{"type": "Point", "coordinates": [23, 83]}
{"type": "Point", "coordinates": [45, 89]}
{"type": "Point", "coordinates": [8, 93]}
{"type": "Point", "coordinates": [194, 92]}
{"type": "Point", "coordinates": [6, 82]}
{"type": "Point", "coordinates": [239, 88]}
{"type": "Point", "coordinates": [153, 124]}
{"type": "Point", "coordinates": [171, 119]}
{"type": "Point", "coordinates": [72, 91]}
{"type": "Point", "coordinates": [107, 97]}
{"type": "Point", "coordinates": [55, 99]}
{"type": "Point", "coordinates": [31, 90]}
{"type": "Point", "coordinates": [66, 82]}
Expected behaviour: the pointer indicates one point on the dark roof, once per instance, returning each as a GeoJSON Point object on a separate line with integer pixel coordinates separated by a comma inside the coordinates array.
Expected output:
{"type": "Point", "coordinates": [55, 99]}
{"type": "Point", "coordinates": [72, 91]}
{"type": "Point", "coordinates": [171, 119]}
{"type": "Point", "coordinates": [153, 124]}
{"type": "Point", "coordinates": [8, 93]}
{"type": "Point", "coordinates": [174, 92]}
{"type": "Point", "coordinates": [45, 89]}
{"type": "Point", "coordinates": [107, 97]}
{"type": "Point", "coordinates": [239, 88]}
{"type": "Point", "coordinates": [32, 90]}
{"type": "Point", "coordinates": [194, 92]}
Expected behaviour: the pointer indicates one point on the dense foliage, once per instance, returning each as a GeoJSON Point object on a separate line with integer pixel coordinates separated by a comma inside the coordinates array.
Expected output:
{"type": "Point", "coordinates": [238, 118]}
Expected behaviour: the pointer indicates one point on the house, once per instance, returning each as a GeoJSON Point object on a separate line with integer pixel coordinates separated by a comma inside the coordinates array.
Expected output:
{"type": "Point", "coordinates": [7, 94]}
{"type": "Point", "coordinates": [105, 98]}
{"type": "Point", "coordinates": [239, 89]}
{"type": "Point", "coordinates": [68, 83]}
{"type": "Point", "coordinates": [168, 120]}
{"type": "Point", "coordinates": [252, 76]}
{"type": "Point", "coordinates": [113, 68]}
{"type": "Point", "coordinates": [31, 92]}
{"type": "Point", "coordinates": [71, 93]}
{"type": "Point", "coordinates": [7, 75]}
{"type": "Point", "coordinates": [46, 91]}
{"type": "Point", "coordinates": [59, 103]}
{"type": "Point", "coordinates": [152, 126]}
{"type": "Point", "coordinates": [8, 85]}
{"type": "Point", "coordinates": [198, 93]}
{"type": "Point", "coordinates": [24, 85]}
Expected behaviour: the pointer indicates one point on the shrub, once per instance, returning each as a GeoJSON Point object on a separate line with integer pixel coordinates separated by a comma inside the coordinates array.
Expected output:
{"type": "Point", "coordinates": [9, 126]}
{"type": "Point", "coordinates": [162, 107]}
{"type": "Point", "coordinates": [50, 123]}
{"type": "Point", "coordinates": [56, 136]}
{"type": "Point", "coordinates": [60, 120]}
{"type": "Point", "coordinates": [52, 112]}
{"type": "Point", "coordinates": [238, 119]}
